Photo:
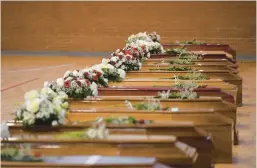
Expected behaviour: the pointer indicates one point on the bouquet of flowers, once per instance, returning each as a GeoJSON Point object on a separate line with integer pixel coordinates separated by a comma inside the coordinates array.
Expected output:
{"type": "Point", "coordinates": [139, 36]}
{"type": "Point", "coordinates": [154, 36]}
{"type": "Point", "coordinates": [111, 73]}
{"type": "Point", "coordinates": [149, 47]}
{"type": "Point", "coordinates": [144, 36]}
{"type": "Point", "coordinates": [124, 62]}
{"type": "Point", "coordinates": [44, 107]}
{"type": "Point", "coordinates": [93, 74]}
{"type": "Point", "coordinates": [77, 88]}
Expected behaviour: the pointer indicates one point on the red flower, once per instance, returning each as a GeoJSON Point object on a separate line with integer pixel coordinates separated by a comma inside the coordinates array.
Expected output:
{"type": "Point", "coordinates": [67, 84]}
{"type": "Point", "coordinates": [37, 155]}
{"type": "Point", "coordinates": [128, 53]}
{"type": "Point", "coordinates": [88, 82]}
{"type": "Point", "coordinates": [95, 77]}
{"type": "Point", "coordinates": [79, 83]}
{"type": "Point", "coordinates": [86, 74]}
{"type": "Point", "coordinates": [112, 62]}
{"type": "Point", "coordinates": [98, 73]}
{"type": "Point", "coordinates": [127, 57]}
{"type": "Point", "coordinates": [134, 50]}
{"type": "Point", "coordinates": [120, 56]}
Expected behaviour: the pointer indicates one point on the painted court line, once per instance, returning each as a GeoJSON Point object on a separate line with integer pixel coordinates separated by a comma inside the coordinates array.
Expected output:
{"type": "Point", "coordinates": [37, 69]}
{"type": "Point", "coordinates": [13, 86]}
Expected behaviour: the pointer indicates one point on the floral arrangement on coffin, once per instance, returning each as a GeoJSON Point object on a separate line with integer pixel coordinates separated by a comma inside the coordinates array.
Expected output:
{"type": "Point", "coordinates": [144, 36]}
{"type": "Point", "coordinates": [192, 76]}
{"type": "Point", "coordinates": [111, 73]}
{"type": "Point", "coordinates": [124, 120]}
{"type": "Point", "coordinates": [20, 153]}
{"type": "Point", "coordinates": [96, 132]}
{"type": "Point", "coordinates": [93, 74]}
{"type": "Point", "coordinates": [151, 105]}
{"type": "Point", "coordinates": [74, 86]}
{"type": "Point", "coordinates": [188, 85]}
{"type": "Point", "coordinates": [185, 94]}
{"type": "Point", "coordinates": [155, 37]}
{"type": "Point", "coordinates": [149, 46]}
{"type": "Point", "coordinates": [124, 62]}
{"type": "Point", "coordinates": [182, 61]}
{"type": "Point", "coordinates": [43, 108]}
{"type": "Point", "coordinates": [174, 68]}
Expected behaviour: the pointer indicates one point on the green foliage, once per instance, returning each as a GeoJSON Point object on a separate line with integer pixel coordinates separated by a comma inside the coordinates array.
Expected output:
{"type": "Point", "coordinates": [121, 120]}
{"type": "Point", "coordinates": [112, 76]}
{"type": "Point", "coordinates": [174, 68]}
{"type": "Point", "coordinates": [193, 76]}
{"type": "Point", "coordinates": [182, 61]}
{"type": "Point", "coordinates": [18, 154]}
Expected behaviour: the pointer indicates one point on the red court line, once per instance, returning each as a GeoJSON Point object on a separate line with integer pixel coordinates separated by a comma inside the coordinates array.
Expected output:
{"type": "Point", "coordinates": [10, 87]}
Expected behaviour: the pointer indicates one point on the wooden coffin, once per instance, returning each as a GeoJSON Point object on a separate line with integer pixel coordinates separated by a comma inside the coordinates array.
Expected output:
{"type": "Point", "coordinates": [197, 62]}
{"type": "Point", "coordinates": [226, 76]}
{"type": "Point", "coordinates": [110, 103]}
{"type": "Point", "coordinates": [219, 127]}
{"type": "Point", "coordinates": [197, 67]}
{"type": "Point", "coordinates": [203, 57]}
{"type": "Point", "coordinates": [184, 132]}
{"type": "Point", "coordinates": [165, 148]}
{"type": "Point", "coordinates": [204, 47]}
{"type": "Point", "coordinates": [86, 162]}
{"type": "Point", "coordinates": [139, 88]}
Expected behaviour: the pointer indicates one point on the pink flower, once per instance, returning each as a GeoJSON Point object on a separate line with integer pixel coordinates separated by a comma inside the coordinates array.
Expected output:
{"type": "Point", "coordinates": [67, 84]}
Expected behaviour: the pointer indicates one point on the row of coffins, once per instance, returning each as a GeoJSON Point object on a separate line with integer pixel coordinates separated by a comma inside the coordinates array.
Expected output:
{"type": "Point", "coordinates": [157, 117]}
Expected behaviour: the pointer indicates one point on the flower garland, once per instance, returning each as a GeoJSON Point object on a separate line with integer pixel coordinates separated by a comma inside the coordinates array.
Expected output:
{"type": "Point", "coordinates": [46, 107]}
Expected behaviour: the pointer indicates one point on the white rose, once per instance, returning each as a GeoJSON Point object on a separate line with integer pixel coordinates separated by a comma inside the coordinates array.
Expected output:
{"type": "Point", "coordinates": [60, 82]}
{"type": "Point", "coordinates": [75, 73]}
{"type": "Point", "coordinates": [33, 105]}
{"type": "Point", "coordinates": [95, 92]}
{"type": "Point", "coordinates": [122, 73]}
{"type": "Point", "coordinates": [54, 123]}
{"type": "Point", "coordinates": [105, 61]}
{"type": "Point", "coordinates": [114, 59]}
{"type": "Point", "coordinates": [31, 95]}
{"type": "Point", "coordinates": [63, 95]}
{"type": "Point", "coordinates": [67, 73]}
{"type": "Point", "coordinates": [93, 86]}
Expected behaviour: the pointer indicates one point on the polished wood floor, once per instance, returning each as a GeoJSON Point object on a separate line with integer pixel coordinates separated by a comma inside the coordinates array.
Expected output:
{"type": "Point", "coordinates": [22, 73]}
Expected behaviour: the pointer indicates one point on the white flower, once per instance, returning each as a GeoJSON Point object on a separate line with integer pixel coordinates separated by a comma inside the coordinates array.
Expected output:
{"type": "Point", "coordinates": [60, 82]}
{"type": "Point", "coordinates": [33, 105]}
{"type": "Point", "coordinates": [54, 123]}
{"type": "Point", "coordinates": [114, 59]}
{"type": "Point", "coordinates": [75, 73]}
{"type": "Point", "coordinates": [95, 92]}
{"type": "Point", "coordinates": [65, 105]}
{"type": "Point", "coordinates": [105, 61]}
{"type": "Point", "coordinates": [91, 133]}
{"type": "Point", "coordinates": [67, 73]}
{"type": "Point", "coordinates": [46, 84]}
{"type": "Point", "coordinates": [63, 95]}
{"type": "Point", "coordinates": [122, 73]}
{"type": "Point", "coordinates": [31, 95]}
{"type": "Point", "coordinates": [29, 118]}
{"type": "Point", "coordinates": [93, 86]}
{"type": "Point", "coordinates": [5, 130]}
